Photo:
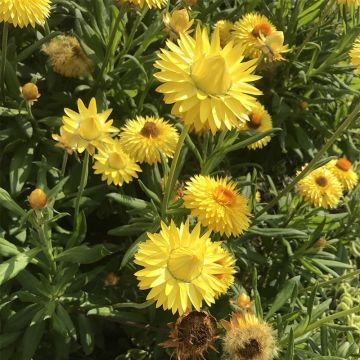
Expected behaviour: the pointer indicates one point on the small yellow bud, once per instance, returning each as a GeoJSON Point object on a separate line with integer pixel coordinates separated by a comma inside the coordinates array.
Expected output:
{"type": "Point", "coordinates": [320, 244]}
{"type": "Point", "coordinates": [37, 199]}
{"type": "Point", "coordinates": [177, 22]}
{"type": "Point", "coordinates": [30, 92]}
{"type": "Point", "coordinates": [111, 279]}
{"type": "Point", "coordinates": [244, 301]}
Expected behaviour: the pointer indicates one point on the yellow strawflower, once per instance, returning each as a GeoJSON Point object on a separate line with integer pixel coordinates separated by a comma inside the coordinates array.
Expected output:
{"type": "Point", "coordinates": [24, 12]}
{"type": "Point", "coordinates": [90, 127]}
{"type": "Point", "coordinates": [248, 338]}
{"type": "Point", "coordinates": [183, 268]}
{"type": "Point", "coordinates": [217, 204]}
{"type": "Point", "coordinates": [260, 121]}
{"type": "Point", "coordinates": [144, 138]}
{"type": "Point", "coordinates": [67, 57]}
{"type": "Point", "coordinates": [250, 32]}
{"type": "Point", "coordinates": [177, 22]}
{"type": "Point", "coordinates": [342, 170]}
{"type": "Point", "coordinates": [208, 85]}
{"type": "Point", "coordinates": [225, 27]}
{"type": "Point", "coordinates": [349, 2]}
{"type": "Point", "coordinates": [355, 53]}
{"type": "Point", "coordinates": [114, 164]}
{"type": "Point", "coordinates": [273, 46]}
{"type": "Point", "coordinates": [320, 188]}
{"type": "Point", "coordinates": [150, 3]}
{"type": "Point", "coordinates": [66, 140]}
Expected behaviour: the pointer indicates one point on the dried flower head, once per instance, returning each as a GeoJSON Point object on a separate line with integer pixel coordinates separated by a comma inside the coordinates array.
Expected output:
{"type": "Point", "coordinates": [30, 92]}
{"type": "Point", "coordinates": [37, 199]}
{"type": "Point", "coordinates": [191, 335]}
{"type": "Point", "coordinates": [67, 57]}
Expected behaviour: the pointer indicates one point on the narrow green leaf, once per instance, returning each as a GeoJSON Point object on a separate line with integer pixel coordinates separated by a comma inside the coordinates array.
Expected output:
{"type": "Point", "coordinates": [84, 254]}
{"type": "Point", "coordinates": [8, 203]}
{"type": "Point", "coordinates": [86, 334]}
{"type": "Point", "coordinates": [31, 339]}
{"type": "Point", "coordinates": [7, 248]}
{"type": "Point", "coordinates": [128, 201]}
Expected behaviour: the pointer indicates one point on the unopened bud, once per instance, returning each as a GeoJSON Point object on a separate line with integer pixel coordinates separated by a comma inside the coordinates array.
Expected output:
{"type": "Point", "coordinates": [111, 279]}
{"type": "Point", "coordinates": [37, 199]}
{"type": "Point", "coordinates": [30, 92]}
{"type": "Point", "coordinates": [244, 301]}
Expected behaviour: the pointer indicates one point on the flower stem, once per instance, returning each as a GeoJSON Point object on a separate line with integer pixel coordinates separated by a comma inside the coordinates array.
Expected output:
{"type": "Point", "coordinates": [171, 179]}
{"type": "Point", "coordinates": [3, 58]}
{"type": "Point", "coordinates": [83, 182]}
{"type": "Point", "coordinates": [64, 162]}
{"type": "Point", "coordinates": [311, 164]}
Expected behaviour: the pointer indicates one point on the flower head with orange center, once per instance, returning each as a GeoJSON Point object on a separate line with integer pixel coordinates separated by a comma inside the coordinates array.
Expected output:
{"type": "Point", "coordinates": [114, 164]}
{"type": "Point", "coordinates": [145, 138]}
{"type": "Point", "coordinates": [260, 121]}
{"type": "Point", "coordinates": [248, 338]}
{"type": "Point", "coordinates": [250, 31]}
{"type": "Point", "coordinates": [90, 127]}
{"type": "Point", "coordinates": [177, 22]}
{"type": "Point", "coordinates": [208, 85]}
{"type": "Point", "coordinates": [355, 53]}
{"type": "Point", "coordinates": [217, 204]}
{"type": "Point", "coordinates": [342, 170]}
{"type": "Point", "coordinates": [225, 27]}
{"type": "Point", "coordinates": [321, 188]}
{"type": "Point", "coordinates": [272, 46]}
{"type": "Point", "coordinates": [24, 12]}
{"type": "Point", "coordinates": [183, 268]}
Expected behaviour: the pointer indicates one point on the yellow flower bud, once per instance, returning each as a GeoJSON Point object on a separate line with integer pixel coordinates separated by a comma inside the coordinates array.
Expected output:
{"type": "Point", "coordinates": [30, 92]}
{"type": "Point", "coordinates": [244, 301]}
{"type": "Point", "coordinates": [177, 22]}
{"type": "Point", "coordinates": [37, 199]}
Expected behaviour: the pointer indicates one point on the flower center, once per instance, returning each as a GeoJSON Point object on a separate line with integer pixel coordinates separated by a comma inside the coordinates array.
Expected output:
{"type": "Point", "coordinates": [211, 75]}
{"type": "Point", "coordinates": [250, 350]}
{"type": "Point", "coordinates": [321, 181]}
{"type": "Point", "coordinates": [343, 164]}
{"type": "Point", "coordinates": [150, 129]}
{"type": "Point", "coordinates": [224, 196]}
{"type": "Point", "coordinates": [185, 264]}
{"type": "Point", "coordinates": [256, 118]}
{"type": "Point", "coordinates": [262, 28]}
{"type": "Point", "coordinates": [115, 161]}
{"type": "Point", "coordinates": [90, 128]}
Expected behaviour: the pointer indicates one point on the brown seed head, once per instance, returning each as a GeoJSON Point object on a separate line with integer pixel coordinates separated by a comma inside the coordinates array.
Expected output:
{"type": "Point", "coordinates": [250, 350]}
{"type": "Point", "coordinates": [150, 129]}
{"type": "Point", "coordinates": [321, 181]}
{"type": "Point", "coordinates": [37, 199]}
{"type": "Point", "coordinates": [256, 118]}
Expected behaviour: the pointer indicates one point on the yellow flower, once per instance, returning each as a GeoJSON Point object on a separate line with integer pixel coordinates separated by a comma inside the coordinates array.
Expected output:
{"type": "Point", "coordinates": [90, 127]}
{"type": "Point", "coordinates": [342, 170]}
{"type": "Point", "coordinates": [225, 27]}
{"type": "Point", "coordinates": [37, 199]}
{"type": "Point", "coordinates": [24, 12]}
{"type": "Point", "coordinates": [183, 268]}
{"type": "Point", "coordinates": [67, 57]}
{"type": "Point", "coordinates": [217, 204]}
{"type": "Point", "coordinates": [250, 32]}
{"type": "Point", "coordinates": [260, 121]}
{"type": "Point", "coordinates": [30, 92]}
{"type": "Point", "coordinates": [273, 45]}
{"type": "Point", "coordinates": [191, 335]}
{"type": "Point", "coordinates": [177, 22]}
{"type": "Point", "coordinates": [66, 140]}
{"type": "Point", "coordinates": [257, 196]}
{"type": "Point", "coordinates": [150, 3]}
{"type": "Point", "coordinates": [209, 86]}
{"type": "Point", "coordinates": [349, 2]}
{"type": "Point", "coordinates": [320, 188]}
{"type": "Point", "coordinates": [248, 338]}
{"type": "Point", "coordinates": [144, 138]}
{"type": "Point", "coordinates": [115, 165]}
{"type": "Point", "coordinates": [355, 53]}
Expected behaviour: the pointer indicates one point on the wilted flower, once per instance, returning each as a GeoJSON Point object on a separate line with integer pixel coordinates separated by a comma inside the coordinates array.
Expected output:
{"type": "Point", "coordinates": [177, 22]}
{"type": "Point", "coordinates": [67, 57]}
{"type": "Point", "coordinates": [37, 199]}
{"type": "Point", "coordinates": [30, 92]}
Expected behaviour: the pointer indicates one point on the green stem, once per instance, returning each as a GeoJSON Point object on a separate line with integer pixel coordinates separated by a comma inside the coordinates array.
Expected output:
{"type": "Point", "coordinates": [3, 58]}
{"type": "Point", "coordinates": [311, 164]}
{"type": "Point", "coordinates": [34, 124]}
{"type": "Point", "coordinates": [83, 182]}
{"type": "Point", "coordinates": [47, 28]}
{"type": "Point", "coordinates": [109, 48]}
{"type": "Point", "coordinates": [171, 179]}
{"type": "Point", "coordinates": [64, 162]}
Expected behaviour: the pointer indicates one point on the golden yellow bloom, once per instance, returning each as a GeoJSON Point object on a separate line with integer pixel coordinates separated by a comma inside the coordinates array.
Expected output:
{"type": "Point", "coordinates": [260, 121]}
{"type": "Point", "coordinates": [67, 57]}
{"type": "Point", "coordinates": [273, 45]}
{"type": "Point", "coordinates": [89, 126]}
{"type": "Point", "coordinates": [225, 27]}
{"type": "Point", "coordinates": [355, 53]}
{"type": "Point", "coordinates": [191, 335]}
{"type": "Point", "coordinates": [37, 199]}
{"type": "Point", "coordinates": [350, 2]}
{"type": "Point", "coordinates": [114, 164]}
{"type": "Point", "coordinates": [244, 301]}
{"type": "Point", "coordinates": [250, 32]}
{"type": "Point", "coordinates": [30, 92]}
{"type": "Point", "coordinates": [24, 12]}
{"type": "Point", "coordinates": [248, 338]}
{"type": "Point", "coordinates": [66, 140]}
{"type": "Point", "coordinates": [217, 204]}
{"type": "Point", "coordinates": [320, 188]}
{"type": "Point", "coordinates": [183, 268]}
{"type": "Point", "coordinates": [208, 85]}
{"type": "Point", "coordinates": [144, 138]}
{"type": "Point", "coordinates": [342, 170]}
{"type": "Point", "coordinates": [149, 3]}
{"type": "Point", "coordinates": [177, 22]}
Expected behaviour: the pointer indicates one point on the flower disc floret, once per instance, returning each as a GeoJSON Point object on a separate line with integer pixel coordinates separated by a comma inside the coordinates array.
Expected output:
{"type": "Point", "coordinates": [183, 268]}
{"type": "Point", "coordinates": [208, 85]}
{"type": "Point", "coordinates": [217, 204]}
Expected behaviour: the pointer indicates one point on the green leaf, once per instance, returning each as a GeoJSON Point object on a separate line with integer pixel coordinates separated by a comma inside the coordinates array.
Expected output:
{"type": "Point", "coordinates": [270, 232]}
{"type": "Point", "coordinates": [8, 339]}
{"type": "Point", "coordinates": [11, 112]}
{"type": "Point", "coordinates": [128, 201]}
{"type": "Point", "coordinates": [65, 318]}
{"type": "Point", "coordinates": [283, 296]}
{"type": "Point", "coordinates": [7, 248]}
{"type": "Point", "coordinates": [10, 268]}
{"type": "Point", "coordinates": [84, 254]}
{"type": "Point", "coordinates": [86, 334]}
{"type": "Point", "coordinates": [8, 203]}
{"type": "Point", "coordinates": [31, 339]}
